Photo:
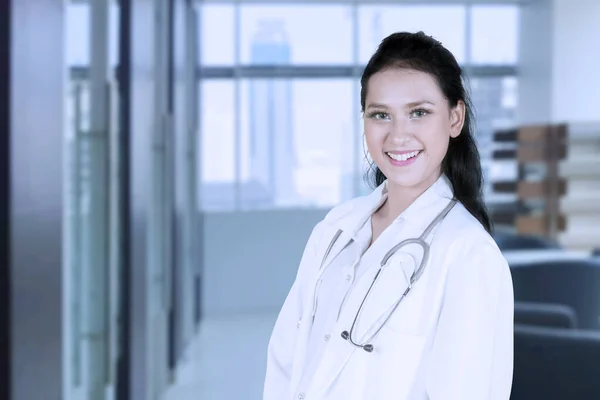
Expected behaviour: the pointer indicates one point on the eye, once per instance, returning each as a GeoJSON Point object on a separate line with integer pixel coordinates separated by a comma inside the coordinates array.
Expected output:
{"type": "Point", "coordinates": [418, 113]}
{"type": "Point", "coordinates": [379, 115]}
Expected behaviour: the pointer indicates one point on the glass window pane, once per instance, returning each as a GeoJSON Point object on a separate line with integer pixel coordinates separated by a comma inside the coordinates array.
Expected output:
{"type": "Point", "coordinates": [217, 141]}
{"type": "Point", "coordinates": [296, 34]}
{"type": "Point", "coordinates": [297, 142]}
{"type": "Point", "coordinates": [495, 102]}
{"type": "Point", "coordinates": [494, 34]}
{"type": "Point", "coordinates": [444, 23]}
{"type": "Point", "coordinates": [217, 34]}
{"type": "Point", "coordinates": [78, 34]}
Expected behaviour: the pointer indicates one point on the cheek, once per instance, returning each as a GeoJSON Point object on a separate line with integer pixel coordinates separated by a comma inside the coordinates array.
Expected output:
{"type": "Point", "coordinates": [437, 148]}
{"type": "Point", "coordinates": [374, 141]}
{"type": "Point", "coordinates": [436, 138]}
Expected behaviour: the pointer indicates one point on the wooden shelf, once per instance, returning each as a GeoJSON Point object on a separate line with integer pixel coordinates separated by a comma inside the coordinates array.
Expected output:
{"type": "Point", "coordinates": [558, 182]}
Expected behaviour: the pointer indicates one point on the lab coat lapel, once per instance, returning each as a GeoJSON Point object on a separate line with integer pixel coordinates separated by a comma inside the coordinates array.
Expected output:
{"type": "Point", "coordinates": [323, 259]}
{"type": "Point", "coordinates": [342, 239]}
{"type": "Point", "coordinates": [388, 289]}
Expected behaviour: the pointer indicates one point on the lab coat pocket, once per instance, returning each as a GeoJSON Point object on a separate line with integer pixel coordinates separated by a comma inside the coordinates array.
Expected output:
{"type": "Point", "coordinates": [391, 369]}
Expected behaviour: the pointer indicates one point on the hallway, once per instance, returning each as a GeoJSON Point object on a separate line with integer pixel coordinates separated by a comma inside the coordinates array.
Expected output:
{"type": "Point", "coordinates": [226, 360]}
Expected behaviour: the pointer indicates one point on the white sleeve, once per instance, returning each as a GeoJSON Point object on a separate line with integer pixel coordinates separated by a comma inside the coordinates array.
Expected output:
{"type": "Point", "coordinates": [280, 355]}
{"type": "Point", "coordinates": [472, 355]}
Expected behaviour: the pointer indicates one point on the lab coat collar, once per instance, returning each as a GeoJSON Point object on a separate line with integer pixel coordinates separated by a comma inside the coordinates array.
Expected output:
{"type": "Point", "coordinates": [352, 216]}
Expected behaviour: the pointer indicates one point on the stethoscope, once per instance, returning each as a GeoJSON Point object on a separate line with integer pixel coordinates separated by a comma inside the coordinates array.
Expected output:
{"type": "Point", "coordinates": [420, 241]}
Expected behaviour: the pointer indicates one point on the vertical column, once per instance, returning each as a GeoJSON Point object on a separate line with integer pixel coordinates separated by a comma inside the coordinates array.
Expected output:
{"type": "Point", "coordinates": [356, 171]}
{"type": "Point", "coordinates": [160, 227]}
{"type": "Point", "coordinates": [94, 208]}
{"type": "Point", "coordinates": [33, 156]}
{"type": "Point", "coordinates": [198, 270]}
{"type": "Point", "coordinates": [5, 200]}
{"type": "Point", "coordinates": [72, 257]}
{"type": "Point", "coordinates": [238, 109]}
{"type": "Point", "coordinates": [124, 305]}
{"type": "Point", "coordinates": [191, 124]}
{"type": "Point", "coordinates": [536, 62]}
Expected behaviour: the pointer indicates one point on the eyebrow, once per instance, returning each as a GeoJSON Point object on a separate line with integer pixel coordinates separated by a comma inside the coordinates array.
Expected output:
{"type": "Point", "coordinates": [408, 105]}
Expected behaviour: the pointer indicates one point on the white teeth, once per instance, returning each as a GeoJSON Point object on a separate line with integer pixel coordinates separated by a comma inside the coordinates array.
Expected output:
{"type": "Point", "coordinates": [403, 157]}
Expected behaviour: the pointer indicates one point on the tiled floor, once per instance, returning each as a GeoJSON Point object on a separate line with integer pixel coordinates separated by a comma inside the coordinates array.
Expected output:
{"type": "Point", "coordinates": [226, 361]}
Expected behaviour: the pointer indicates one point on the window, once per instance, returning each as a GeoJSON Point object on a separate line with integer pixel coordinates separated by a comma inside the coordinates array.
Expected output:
{"type": "Point", "coordinates": [494, 34]}
{"type": "Point", "coordinates": [77, 108]}
{"type": "Point", "coordinates": [295, 34]}
{"type": "Point", "coordinates": [444, 23]}
{"type": "Point", "coordinates": [217, 34]}
{"type": "Point", "coordinates": [78, 34]}
{"type": "Point", "coordinates": [292, 136]}
{"type": "Point", "coordinates": [495, 102]}
{"type": "Point", "coordinates": [297, 142]}
{"type": "Point", "coordinates": [217, 155]}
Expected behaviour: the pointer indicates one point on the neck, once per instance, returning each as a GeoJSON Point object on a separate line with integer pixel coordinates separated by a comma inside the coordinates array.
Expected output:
{"type": "Point", "coordinates": [400, 198]}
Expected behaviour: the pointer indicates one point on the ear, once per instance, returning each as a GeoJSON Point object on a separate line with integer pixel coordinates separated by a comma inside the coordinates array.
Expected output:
{"type": "Point", "coordinates": [457, 119]}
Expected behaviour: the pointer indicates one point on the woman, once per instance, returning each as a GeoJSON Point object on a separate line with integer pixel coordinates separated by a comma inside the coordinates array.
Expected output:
{"type": "Point", "coordinates": [440, 332]}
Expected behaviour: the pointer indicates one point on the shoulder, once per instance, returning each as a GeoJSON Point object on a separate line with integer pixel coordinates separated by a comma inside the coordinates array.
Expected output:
{"type": "Point", "coordinates": [471, 248]}
{"type": "Point", "coordinates": [345, 208]}
{"type": "Point", "coordinates": [464, 231]}
{"type": "Point", "coordinates": [474, 266]}
{"type": "Point", "coordinates": [331, 221]}
{"type": "Point", "coordinates": [334, 215]}
{"type": "Point", "coordinates": [338, 213]}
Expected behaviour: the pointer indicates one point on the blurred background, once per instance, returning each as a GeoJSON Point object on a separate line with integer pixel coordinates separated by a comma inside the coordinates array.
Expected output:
{"type": "Point", "coordinates": [163, 163]}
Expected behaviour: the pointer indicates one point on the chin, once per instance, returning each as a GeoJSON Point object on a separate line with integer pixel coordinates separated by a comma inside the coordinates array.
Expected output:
{"type": "Point", "coordinates": [409, 180]}
{"type": "Point", "coordinates": [412, 179]}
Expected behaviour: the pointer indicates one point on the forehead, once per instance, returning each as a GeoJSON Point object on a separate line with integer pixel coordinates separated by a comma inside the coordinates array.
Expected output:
{"type": "Point", "coordinates": [396, 85]}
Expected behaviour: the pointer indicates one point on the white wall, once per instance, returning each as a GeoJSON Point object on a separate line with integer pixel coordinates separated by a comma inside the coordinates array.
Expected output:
{"type": "Point", "coordinates": [251, 259]}
{"type": "Point", "coordinates": [535, 62]}
{"type": "Point", "coordinates": [576, 60]}
{"type": "Point", "coordinates": [559, 61]}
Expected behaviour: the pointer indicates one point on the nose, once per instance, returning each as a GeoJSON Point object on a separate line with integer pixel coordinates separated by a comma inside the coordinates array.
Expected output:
{"type": "Point", "coordinates": [400, 131]}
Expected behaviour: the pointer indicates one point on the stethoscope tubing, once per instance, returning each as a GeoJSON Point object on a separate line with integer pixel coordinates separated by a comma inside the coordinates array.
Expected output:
{"type": "Point", "coordinates": [420, 241]}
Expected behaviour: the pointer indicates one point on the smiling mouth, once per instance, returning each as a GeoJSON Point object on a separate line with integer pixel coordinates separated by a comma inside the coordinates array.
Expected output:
{"type": "Point", "coordinates": [404, 156]}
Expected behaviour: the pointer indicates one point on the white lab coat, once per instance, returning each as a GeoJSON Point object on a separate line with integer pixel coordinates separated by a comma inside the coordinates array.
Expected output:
{"type": "Point", "coordinates": [451, 338]}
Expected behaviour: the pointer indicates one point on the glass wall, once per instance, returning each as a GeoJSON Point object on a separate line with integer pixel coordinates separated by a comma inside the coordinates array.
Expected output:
{"type": "Point", "coordinates": [279, 110]}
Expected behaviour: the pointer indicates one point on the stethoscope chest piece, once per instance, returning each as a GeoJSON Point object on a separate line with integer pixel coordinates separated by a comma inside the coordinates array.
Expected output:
{"type": "Point", "coordinates": [367, 347]}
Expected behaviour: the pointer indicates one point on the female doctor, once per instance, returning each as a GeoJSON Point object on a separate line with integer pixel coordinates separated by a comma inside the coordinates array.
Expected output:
{"type": "Point", "coordinates": [402, 294]}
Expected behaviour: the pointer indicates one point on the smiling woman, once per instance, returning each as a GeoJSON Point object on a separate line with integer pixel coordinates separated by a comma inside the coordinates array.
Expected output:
{"type": "Point", "coordinates": [403, 293]}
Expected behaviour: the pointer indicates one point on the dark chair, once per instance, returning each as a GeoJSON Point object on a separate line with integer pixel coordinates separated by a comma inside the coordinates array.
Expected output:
{"type": "Point", "coordinates": [556, 364]}
{"type": "Point", "coordinates": [574, 283]}
{"type": "Point", "coordinates": [545, 315]}
{"type": "Point", "coordinates": [508, 241]}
